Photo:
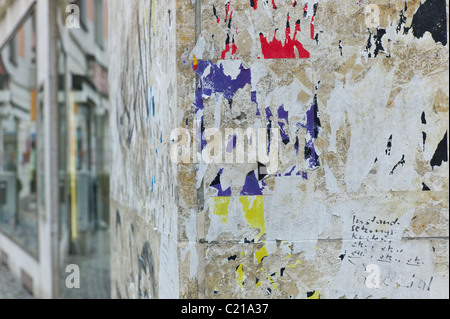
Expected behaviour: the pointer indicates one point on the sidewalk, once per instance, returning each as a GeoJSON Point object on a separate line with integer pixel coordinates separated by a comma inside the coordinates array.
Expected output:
{"type": "Point", "coordinates": [94, 271]}
{"type": "Point", "coordinates": [94, 275]}
{"type": "Point", "coordinates": [10, 287]}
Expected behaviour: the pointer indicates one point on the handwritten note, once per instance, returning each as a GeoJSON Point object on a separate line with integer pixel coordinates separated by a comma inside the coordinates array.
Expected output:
{"type": "Point", "coordinates": [379, 240]}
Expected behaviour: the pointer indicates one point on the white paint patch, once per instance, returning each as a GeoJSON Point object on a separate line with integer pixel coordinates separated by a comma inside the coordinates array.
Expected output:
{"type": "Point", "coordinates": [191, 233]}
{"type": "Point", "coordinates": [330, 180]}
{"type": "Point", "coordinates": [198, 49]}
{"type": "Point", "coordinates": [236, 225]}
{"type": "Point", "coordinates": [218, 110]}
{"type": "Point", "coordinates": [231, 68]}
{"type": "Point", "coordinates": [168, 269]}
{"type": "Point", "coordinates": [372, 123]}
{"type": "Point", "coordinates": [258, 71]}
{"type": "Point", "coordinates": [294, 216]}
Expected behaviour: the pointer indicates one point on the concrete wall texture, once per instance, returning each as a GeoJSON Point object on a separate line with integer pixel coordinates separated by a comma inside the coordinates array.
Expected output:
{"type": "Point", "coordinates": [344, 195]}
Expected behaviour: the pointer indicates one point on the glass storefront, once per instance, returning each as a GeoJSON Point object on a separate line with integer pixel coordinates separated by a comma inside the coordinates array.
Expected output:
{"type": "Point", "coordinates": [20, 138]}
{"type": "Point", "coordinates": [83, 148]}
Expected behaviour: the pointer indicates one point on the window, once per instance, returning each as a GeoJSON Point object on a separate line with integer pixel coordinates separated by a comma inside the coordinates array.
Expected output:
{"type": "Point", "coordinates": [98, 21]}
{"type": "Point", "coordinates": [12, 50]}
{"type": "Point", "coordinates": [19, 140]}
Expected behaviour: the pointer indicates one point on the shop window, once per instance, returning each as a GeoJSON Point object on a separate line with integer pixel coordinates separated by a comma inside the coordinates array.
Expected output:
{"type": "Point", "coordinates": [18, 140]}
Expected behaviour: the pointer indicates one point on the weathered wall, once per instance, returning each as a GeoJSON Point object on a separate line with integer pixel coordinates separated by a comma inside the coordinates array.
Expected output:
{"type": "Point", "coordinates": [356, 118]}
{"type": "Point", "coordinates": [143, 181]}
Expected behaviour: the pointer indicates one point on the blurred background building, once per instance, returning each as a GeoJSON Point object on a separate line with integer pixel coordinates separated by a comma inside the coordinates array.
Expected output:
{"type": "Point", "coordinates": [54, 137]}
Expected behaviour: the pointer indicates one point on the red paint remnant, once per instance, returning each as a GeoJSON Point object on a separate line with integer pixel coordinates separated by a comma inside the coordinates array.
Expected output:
{"type": "Point", "coordinates": [215, 14]}
{"type": "Point", "coordinates": [274, 5]}
{"type": "Point", "coordinates": [294, 3]}
{"type": "Point", "coordinates": [311, 25]}
{"type": "Point", "coordinates": [228, 48]}
{"type": "Point", "coordinates": [254, 4]}
{"type": "Point", "coordinates": [227, 10]}
{"type": "Point", "coordinates": [194, 62]}
{"type": "Point", "coordinates": [224, 52]}
{"type": "Point", "coordinates": [276, 49]}
{"type": "Point", "coordinates": [229, 13]}
{"type": "Point", "coordinates": [233, 48]}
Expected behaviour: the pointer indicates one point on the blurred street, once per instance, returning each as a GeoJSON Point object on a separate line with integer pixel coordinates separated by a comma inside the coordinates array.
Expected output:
{"type": "Point", "coordinates": [39, 49]}
{"type": "Point", "coordinates": [94, 271]}
{"type": "Point", "coordinates": [11, 288]}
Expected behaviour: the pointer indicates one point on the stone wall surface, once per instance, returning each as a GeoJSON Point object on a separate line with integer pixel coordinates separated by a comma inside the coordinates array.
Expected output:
{"type": "Point", "coordinates": [143, 182]}
{"type": "Point", "coordinates": [338, 187]}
